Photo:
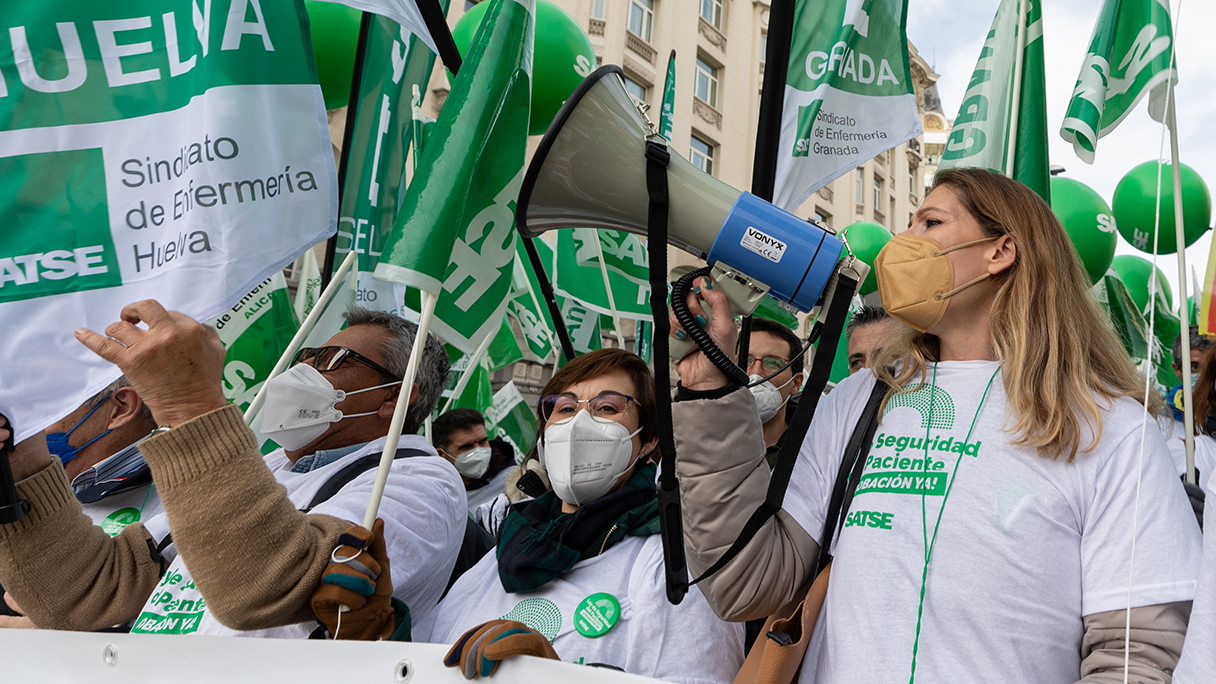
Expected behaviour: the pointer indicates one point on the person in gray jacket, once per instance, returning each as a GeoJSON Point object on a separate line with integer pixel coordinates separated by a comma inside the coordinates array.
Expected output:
{"type": "Point", "coordinates": [1013, 521]}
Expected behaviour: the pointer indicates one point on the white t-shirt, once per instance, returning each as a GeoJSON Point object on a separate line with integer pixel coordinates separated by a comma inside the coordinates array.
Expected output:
{"type": "Point", "coordinates": [645, 635]}
{"type": "Point", "coordinates": [486, 494]}
{"type": "Point", "coordinates": [1175, 441]}
{"type": "Point", "coordinates": [1026, 547]}
{"type": "Point", "coordinates": [424, 521]}
{"type": "Point", "coordinates": [1199, 652]}
{"type": "Point", "coordinates": [117, 510]}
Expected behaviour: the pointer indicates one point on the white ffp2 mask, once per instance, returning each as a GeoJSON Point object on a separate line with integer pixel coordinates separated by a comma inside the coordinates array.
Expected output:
{"type": "Point", "coordinates": [768, 398]}
{"type": "Point", "coordinates": [300, 406]}
{"type": "Point", "coordinates": [473, 463]}
{"type": "Point", "coordinates": [584, 457]}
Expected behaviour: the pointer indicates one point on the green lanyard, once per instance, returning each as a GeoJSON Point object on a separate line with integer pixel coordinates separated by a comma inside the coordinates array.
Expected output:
{"type": "Point", "coordinates": [929, 542]}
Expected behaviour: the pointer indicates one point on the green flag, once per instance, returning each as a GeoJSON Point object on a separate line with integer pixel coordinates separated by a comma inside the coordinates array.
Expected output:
{"type": "Point", "coordinates": [583, 324]}
{"type": "Point", "coordinates": [476, 392]}
{"type": "Point", "coordinates": [667, 113]}
{"type": "Point", "coordinates": [848, 92]}
{"type": "Point", "coordinates": [1129, 55]}
{"type": "Point", "coordinates": [578, 275]}
{"type": "Point", "coordinates": [1113, 296]}
{"type": "Point", "coordinates": [526, 306]}
{"type": "Point", "coordinates": [255, 332]}
{"type": "Point", "coordinates": [512, 419]}
{"type": "Point", "coordinates": [395, 63]}
{"type": "Point", "coordinates": [455, 233]}
{"type": "Point", "coordinates": [1002, 123]}
{"type": "Point", "coordinates": [504, 348]}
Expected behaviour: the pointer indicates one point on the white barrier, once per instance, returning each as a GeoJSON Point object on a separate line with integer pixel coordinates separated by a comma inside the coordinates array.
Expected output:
{"type": "Point", "coordinates": [45, 657]}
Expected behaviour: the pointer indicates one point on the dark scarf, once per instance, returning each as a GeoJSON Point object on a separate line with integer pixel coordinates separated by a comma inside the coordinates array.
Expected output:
{"type": "Point", "coordinates": [540, 543]}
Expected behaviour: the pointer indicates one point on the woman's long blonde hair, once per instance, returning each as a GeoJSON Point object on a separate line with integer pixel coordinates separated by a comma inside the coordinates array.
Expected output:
{"type": "Point", "coordinates": [1058, 349]}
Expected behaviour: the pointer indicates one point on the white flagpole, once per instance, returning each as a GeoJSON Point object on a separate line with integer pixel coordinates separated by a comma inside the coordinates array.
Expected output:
{"type": "Point", "coordinates": [1016, 95]}
{"type": "Point", "coordinates": [616, 319]}
{"type": "Point", "coordinates": [1188, 421]}
{"type": "Point", "coordinates": [403, 402]}
{"type": "Point", "coordinates": [474, 362]}
{"type": "Point", "coordinates": [306, 327]}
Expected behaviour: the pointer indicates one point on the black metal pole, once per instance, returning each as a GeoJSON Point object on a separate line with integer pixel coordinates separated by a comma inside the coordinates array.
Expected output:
{"type": "Point", "coordinates": [348, 132]}
{"type": "Point", "coordinates": [768, 132]}
{"type": "Point", "coordinates": [437, 23]}
{"type": "Point", "coordinates": [546, 290]}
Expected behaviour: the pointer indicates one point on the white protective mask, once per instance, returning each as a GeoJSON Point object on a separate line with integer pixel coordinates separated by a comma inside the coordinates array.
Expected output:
{"type": "Point", "coordinates": [473, 463]}
{"type": "Point", "coordinates": [585, 457]}
{"type": "Point", "coordinates": [768, 398]}
{"type": "Point", "coordinates": [300, 406]}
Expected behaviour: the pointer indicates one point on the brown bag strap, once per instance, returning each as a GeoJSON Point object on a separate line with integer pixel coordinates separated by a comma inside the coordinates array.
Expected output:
{"type": "Point", "coordinates": [777, 656]}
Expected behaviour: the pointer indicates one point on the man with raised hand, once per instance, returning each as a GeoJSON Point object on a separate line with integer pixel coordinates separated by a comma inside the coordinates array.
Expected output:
{"type": "Point", "coordinates": [236, 517]}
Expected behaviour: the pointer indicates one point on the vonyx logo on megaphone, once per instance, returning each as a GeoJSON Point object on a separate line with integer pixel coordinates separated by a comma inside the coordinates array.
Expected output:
{"type": "Point", "coordinates": [589, 171]}
{"type": "Point", "coordinates": [763, 244]}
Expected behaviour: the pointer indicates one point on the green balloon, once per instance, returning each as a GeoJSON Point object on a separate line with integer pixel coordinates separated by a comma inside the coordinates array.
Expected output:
{"type": "Point", "coordinates": [1089, 222]}
{"type": "Point", "coordinates": [562, 57]}
{"type": "Point", "coordinates": [1134, 272]}
{"type": "Point", "coordinates": [1135, 208]}
{"type": "Point", "coordinates": [335, 35]}
{"type": "Point", "coordinates": [867, 239]}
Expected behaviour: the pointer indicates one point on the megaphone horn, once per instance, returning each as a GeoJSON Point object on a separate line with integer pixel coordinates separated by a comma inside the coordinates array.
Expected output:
{"type": "Point", "coordinates": [590, 172]}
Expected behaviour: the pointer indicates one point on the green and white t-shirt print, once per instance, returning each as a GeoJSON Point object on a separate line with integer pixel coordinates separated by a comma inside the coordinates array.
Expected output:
{"type": "Point", "coordinates": [1022, 546]}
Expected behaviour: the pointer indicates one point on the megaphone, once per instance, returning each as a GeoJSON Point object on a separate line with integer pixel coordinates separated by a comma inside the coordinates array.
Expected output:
{"type": "Point", "coordinates": [590, 172]}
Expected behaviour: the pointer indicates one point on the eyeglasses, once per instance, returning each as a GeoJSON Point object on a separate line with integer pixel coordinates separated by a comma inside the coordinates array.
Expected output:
{"type": "Point", "coordinates": [770, 364]}
{"type": "Point", "coordinates": [326, 359]}
{"type": "Point", "coordinates": [607, 407]}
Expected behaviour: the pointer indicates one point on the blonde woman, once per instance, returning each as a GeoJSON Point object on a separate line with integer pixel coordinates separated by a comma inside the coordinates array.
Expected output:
{"type": "Point", "coordinates": [991, 535]}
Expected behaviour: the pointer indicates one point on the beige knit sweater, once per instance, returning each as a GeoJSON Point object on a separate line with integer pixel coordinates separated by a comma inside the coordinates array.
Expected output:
{"type": "Point", "coordinates": [254, 557]}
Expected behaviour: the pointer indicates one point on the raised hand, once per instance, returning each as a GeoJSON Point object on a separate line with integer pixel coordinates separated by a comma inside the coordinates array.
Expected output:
{"type": "Point", "coordinates": [696, 371]}
{"type": "Point", "coordinates": [175, 364]}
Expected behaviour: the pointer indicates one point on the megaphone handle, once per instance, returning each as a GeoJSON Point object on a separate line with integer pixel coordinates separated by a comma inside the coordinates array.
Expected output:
{"type": "Point", "coordinates": [679, 307]}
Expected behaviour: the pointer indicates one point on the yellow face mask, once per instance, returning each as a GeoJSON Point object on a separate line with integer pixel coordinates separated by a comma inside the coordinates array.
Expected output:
{"type": "Point", "coordinates": [915, 279]}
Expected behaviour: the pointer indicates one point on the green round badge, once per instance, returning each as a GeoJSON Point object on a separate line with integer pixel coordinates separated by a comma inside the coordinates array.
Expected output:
{"type": "Point", "coordinates": [118, 520]}
{"type": "Point", "coordinates": [597, 614]}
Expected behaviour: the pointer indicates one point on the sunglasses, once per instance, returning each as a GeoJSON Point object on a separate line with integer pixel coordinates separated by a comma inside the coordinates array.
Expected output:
{"type": "Point", "coordinates": [770, 364]}
{"type": "Point", "coordinates": [609, 406]}
{"type": "Point", "coordinates": [326, 359]}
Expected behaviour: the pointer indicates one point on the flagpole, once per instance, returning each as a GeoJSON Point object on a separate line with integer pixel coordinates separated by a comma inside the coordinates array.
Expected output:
{"type": "Point", "coordinates": [348, 132]}
{"type": "Point", "coordinates": [474, 362]}
{"type": "Point", "coordinates": [616, 319]}
{"type": "Point", "coordinates": [546, 291]}
{"type": "Point", "coordinates": [306, 327]}
{"type": "Point", "coordinates": [1188, 415]}
{"type": "Point", "coordinates": [1016, 100]}
{"type": "Point", "coordinates": [403, 402]}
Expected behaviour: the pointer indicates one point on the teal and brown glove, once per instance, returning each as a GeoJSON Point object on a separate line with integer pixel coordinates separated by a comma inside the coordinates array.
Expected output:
{"type": "Point", "coordinates": [353, 600]}
{"type": "Point", "coordinates": [478, 651]}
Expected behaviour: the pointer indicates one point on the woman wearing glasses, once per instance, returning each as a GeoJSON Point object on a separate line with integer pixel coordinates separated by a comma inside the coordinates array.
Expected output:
{"type": "Point", "coordinates": [578, 572]}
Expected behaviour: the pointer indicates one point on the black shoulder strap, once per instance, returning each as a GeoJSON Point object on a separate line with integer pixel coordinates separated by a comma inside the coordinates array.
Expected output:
{"type": "Point", "coordinates": [350, 471]}
{"type": "Point", "coordinates": [851, 467]}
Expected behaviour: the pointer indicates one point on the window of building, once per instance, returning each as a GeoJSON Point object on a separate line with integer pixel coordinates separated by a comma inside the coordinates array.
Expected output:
{"type": "Point", "coordinates": [763, 47]}
{"type": "Point", "coordinates": [822, 216]}
{"type": "Point", "coordinates": [878, 193]}
{"type": "Point", "coordinates": [637, 90]}
{"type": "Point", "coordinates": [597, 9]}
{"type": "Point", "coordinates": [861, 177]}
{"type": "Point", "coordinates": [641, 16]}
{"type": "Point", "coordinates": [701, 154]}
{"type": "Point", "coordinates": [706, 84]}
{"type": "Point", "coordinates": [912, 179]}
{"type": "Point", "coordinates": [711, 11]}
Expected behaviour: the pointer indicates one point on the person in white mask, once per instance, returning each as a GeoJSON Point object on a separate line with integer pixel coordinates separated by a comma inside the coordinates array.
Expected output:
{"type": "Point", "coordinates": [1014, 519]}
{"type": "Point", "coordinates": [578, 572]}
{"type": "Point", "coordinates": [770, 349]}
{"type": "Point", "coordinates": [254, 534]}
{"type": "Point", "coordinates": [483, 463]}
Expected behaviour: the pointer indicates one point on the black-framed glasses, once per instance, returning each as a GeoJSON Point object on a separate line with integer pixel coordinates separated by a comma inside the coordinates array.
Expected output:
{"type": "Point", "coordinates": [609, 406]}
{"type": "Point", "coordinates": [770, 364]}
{"type": "Point", "coordinates": [326, 359]}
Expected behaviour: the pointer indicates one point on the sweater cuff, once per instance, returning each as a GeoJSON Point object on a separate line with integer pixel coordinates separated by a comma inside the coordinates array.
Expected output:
{"type": "Point", "coordinates": [48, 492]}
{"type": "Point", "coordinates": [199, 445]}
{"type": "Point", "coordinates": [685, 394]}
